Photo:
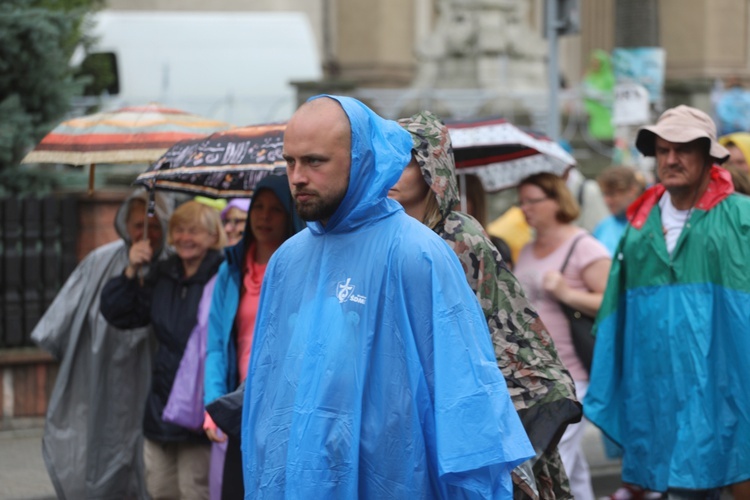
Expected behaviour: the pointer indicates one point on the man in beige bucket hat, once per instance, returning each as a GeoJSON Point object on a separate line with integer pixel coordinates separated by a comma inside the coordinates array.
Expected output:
{"type": "Point", "coordinates": [667, 381]}
{"type": "Point", "coordinates": [682, 124]}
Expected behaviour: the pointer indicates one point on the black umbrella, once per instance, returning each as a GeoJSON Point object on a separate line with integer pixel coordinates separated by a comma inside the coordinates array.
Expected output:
{"type": "Point", "coordinates": [226, 164]}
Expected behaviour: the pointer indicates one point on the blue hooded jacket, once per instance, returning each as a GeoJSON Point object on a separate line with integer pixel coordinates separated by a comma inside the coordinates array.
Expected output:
{"type": "Point", "coordinates": [372, 374]}
{"type": "Point", "coordinates": [221, 373]}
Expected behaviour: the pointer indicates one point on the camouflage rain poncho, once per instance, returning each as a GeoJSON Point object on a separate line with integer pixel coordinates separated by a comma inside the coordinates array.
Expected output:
{"type": "Point", "coordinates": [541, 388]}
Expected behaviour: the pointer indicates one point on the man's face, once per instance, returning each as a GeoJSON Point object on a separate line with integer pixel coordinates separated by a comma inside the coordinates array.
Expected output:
{"type": "Point", "coordinates": [680, 165]}
{"type": "Point", "coordinates": [317, 150]}
{"type": "Point", "coordinates": [737, 159]}
{"type": "Point", "coordinates": [135, 224]}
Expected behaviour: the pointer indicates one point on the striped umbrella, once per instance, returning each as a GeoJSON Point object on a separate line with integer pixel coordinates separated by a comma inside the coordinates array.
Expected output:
{"type": "Point", "coordinates": [502, 154]}
{"type": "Point", "coordinates": [135, 134]}
{"type": "Point", "coordinates": [225, 164]}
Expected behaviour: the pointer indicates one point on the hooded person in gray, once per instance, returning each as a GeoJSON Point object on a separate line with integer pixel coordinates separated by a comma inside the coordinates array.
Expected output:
{"type": "Point", "coordinates": [93, 441]}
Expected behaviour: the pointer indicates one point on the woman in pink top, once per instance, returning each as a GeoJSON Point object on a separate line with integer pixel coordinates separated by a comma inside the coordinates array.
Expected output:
{"type": "Point", "coordinates": [549, 209]}
{"type": "Point", "coordinates": [234, 306]}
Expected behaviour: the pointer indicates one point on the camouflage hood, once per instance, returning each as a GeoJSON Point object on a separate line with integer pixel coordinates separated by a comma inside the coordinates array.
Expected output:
{"type": "Point", "coordinates": [434, 153]}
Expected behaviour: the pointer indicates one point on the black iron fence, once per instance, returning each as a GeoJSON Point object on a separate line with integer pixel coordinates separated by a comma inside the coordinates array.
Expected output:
{"type": "Point", "coordinates": [38, 238]}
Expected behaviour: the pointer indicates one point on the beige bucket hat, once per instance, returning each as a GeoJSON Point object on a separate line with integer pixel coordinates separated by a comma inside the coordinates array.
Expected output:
{"type": "Point", "coordinates": [681, 124]}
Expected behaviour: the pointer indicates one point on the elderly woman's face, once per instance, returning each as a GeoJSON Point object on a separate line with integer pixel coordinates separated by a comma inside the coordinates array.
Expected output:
{"type": "Point", "coordinates": [410, 190]}
{"type": "Point", "coordinates": [192, 241]}
{"type": "Point", "coordinates": [537, 207]}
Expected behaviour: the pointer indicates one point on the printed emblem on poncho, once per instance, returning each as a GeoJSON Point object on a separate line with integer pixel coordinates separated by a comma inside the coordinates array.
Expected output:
{"type": "Point", "coordinates": [345, 291]}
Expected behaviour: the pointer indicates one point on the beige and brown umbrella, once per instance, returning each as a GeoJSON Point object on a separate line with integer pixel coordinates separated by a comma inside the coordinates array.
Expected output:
{"type": "Point", "coordinates": [135, 134]}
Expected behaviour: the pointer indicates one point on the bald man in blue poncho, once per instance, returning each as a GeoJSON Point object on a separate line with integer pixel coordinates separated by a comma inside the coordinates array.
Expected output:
{"type": "Point", "coordinates": [372, 374]}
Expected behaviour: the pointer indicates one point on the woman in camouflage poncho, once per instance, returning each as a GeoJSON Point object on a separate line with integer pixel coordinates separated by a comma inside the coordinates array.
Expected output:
{"type": "Point", "coordinates": [540, 387]}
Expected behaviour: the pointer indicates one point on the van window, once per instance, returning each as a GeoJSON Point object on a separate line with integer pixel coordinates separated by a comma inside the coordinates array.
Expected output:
{"type": "Point", "coordinates": [100, 72]}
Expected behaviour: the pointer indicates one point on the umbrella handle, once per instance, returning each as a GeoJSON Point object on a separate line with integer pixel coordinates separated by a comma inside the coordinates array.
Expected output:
{"type": "Point", "coordinates": [92, 169]}
{"type": "Point", "coordinates": [150, 211]}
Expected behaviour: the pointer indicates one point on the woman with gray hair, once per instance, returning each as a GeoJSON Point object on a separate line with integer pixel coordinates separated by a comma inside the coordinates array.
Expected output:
{"type": "Point", "coordinates": [176, 459]}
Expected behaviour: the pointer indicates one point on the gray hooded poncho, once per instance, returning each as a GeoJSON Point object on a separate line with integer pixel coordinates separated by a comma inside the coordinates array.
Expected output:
{"type": "Point", "coordinates": [92, 443]}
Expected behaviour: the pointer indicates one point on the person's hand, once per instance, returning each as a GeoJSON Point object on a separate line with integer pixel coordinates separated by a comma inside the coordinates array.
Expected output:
{"type": "Point", "coordinates": [140, 253]}
{"type": "Point", "coordinates": [554, 283]}
{"type": "Point", "coordinates": [215, 435]}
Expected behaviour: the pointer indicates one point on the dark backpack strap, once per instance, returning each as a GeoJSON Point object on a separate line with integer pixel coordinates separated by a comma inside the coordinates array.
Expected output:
{"type": "Point", "coordinates": [570, 252]}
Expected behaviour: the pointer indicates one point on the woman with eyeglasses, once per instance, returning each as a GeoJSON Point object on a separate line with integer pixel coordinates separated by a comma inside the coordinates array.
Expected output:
{"type": "Point", "coordinates": [176, 459]}
{"type": "Point", "coordinates": [550, 208]}
{"type": "Point", "coordinates": [234, 218]}
{"type": "Point", "coordinates": [234, 306]}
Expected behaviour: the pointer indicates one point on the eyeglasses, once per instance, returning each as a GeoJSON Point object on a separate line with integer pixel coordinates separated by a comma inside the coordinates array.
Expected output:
{"type": "Point", "coordinates": [532, 201]}
{"type": "Point", "coordinates": [236, 221]}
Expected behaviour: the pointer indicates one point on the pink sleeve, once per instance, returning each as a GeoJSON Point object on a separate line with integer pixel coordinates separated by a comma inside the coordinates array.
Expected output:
{"type": "Point", "coordinates": [587, 251]}
{"type": "Point", "coordinates": [208, 422]}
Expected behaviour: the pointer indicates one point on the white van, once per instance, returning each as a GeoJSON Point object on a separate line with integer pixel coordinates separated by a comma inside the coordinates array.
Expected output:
{"type": "Point", "coordinates": [231, 66]}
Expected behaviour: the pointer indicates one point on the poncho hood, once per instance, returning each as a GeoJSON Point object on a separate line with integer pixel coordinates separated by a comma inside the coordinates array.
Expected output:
{"type": "Point", "coordinates": [163, 211]}
{"type": "Point", "coordinates": [603, 78]}
{"type": "Point", "coordinates": [381, 150]}
{"type": "Point", "coordinates": [279, 185]}
{"type": "Point", "coordinates": [433, 151]}
{"type": "Point", "coordinates": [739, 139]}
{"type": "Point", "coordinates": [720, 186]}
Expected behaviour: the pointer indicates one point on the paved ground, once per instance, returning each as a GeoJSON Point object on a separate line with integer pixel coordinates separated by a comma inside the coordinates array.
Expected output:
{"type": "Point", "coordinates": [22, 472]}
{"type": "Point", "coordinates": [24, 477]}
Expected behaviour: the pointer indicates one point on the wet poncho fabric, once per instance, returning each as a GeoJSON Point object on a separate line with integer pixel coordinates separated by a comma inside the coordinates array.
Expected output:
{"type": "Point", "coordinates": [541, 388]}
{"type": "Point", "coordinates": [372, 375]}
{"type": "Point", "coordinates": [92, 444]}
{"type": "Point", "coordinates": [668, 381]}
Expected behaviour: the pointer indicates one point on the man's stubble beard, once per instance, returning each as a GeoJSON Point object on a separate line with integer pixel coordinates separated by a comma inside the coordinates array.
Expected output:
{"type": "Point", "coordinates": [320, 209]}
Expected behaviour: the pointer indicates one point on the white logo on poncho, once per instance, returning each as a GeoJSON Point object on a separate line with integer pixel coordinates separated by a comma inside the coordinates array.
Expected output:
{"type": "Point", "coordinates": [344, 292]}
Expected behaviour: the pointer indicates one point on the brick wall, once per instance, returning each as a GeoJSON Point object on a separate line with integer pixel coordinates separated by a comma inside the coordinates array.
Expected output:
{"type": "Point", "coordinates": [27, 376]}
{"type": "Point", "coordinates": [96, 215]}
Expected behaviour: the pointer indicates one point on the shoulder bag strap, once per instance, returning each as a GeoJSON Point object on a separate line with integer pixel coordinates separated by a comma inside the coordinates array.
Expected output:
{"type": "Point", "coordinates": [570, 252]}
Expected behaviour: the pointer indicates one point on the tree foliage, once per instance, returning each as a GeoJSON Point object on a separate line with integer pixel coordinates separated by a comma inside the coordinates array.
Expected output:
{"type": "Point", "coordinates": [37, 39]}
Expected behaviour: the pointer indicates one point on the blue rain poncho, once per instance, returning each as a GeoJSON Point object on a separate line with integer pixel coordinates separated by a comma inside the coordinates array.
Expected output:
{"type": "Point", "coordinates": [372, 373]}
